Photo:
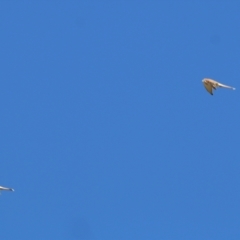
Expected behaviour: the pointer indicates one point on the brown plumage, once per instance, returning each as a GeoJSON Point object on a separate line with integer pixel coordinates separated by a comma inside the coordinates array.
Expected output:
{"type": "Point", "coordinates": [210, 84]}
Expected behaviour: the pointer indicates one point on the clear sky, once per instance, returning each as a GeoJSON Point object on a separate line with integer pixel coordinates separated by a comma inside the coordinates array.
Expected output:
{"type": "Point", "coordinates": [106, 130]}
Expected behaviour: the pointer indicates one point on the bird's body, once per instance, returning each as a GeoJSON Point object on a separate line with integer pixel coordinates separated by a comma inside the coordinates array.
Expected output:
{"type": "Point", "coordinates": [6, 189]}
{"type": "Point", "coordinates": [210, 84]}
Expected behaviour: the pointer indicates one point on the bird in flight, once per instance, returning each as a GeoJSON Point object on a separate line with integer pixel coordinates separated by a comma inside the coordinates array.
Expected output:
{"type": "Point", "coordinates": [6, 189]}
{"type": "Point", "coordinates": [210, 84]}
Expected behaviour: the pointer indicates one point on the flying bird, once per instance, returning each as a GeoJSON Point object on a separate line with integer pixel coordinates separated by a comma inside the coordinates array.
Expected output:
{"type": "Point", "coordinates": [210, 84]}
{"type": "Point", "coordinates": [6, 189]}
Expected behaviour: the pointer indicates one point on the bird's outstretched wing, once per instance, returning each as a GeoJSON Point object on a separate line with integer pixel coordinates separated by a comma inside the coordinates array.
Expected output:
{"type": "Point", "coordinates": [6, 189]}
{"type": "Point", "coordinates": [225, 86]}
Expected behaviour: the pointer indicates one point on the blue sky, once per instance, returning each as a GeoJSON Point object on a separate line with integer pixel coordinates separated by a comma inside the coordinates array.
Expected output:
{"type": "Point", "coordinates": [106, 131]}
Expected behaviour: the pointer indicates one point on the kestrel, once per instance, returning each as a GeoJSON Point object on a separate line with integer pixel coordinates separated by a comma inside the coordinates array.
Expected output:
{"type": "Point", "coordinates": [210, 84]}
{"type": "Point", "coordinates": [7, 189]}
